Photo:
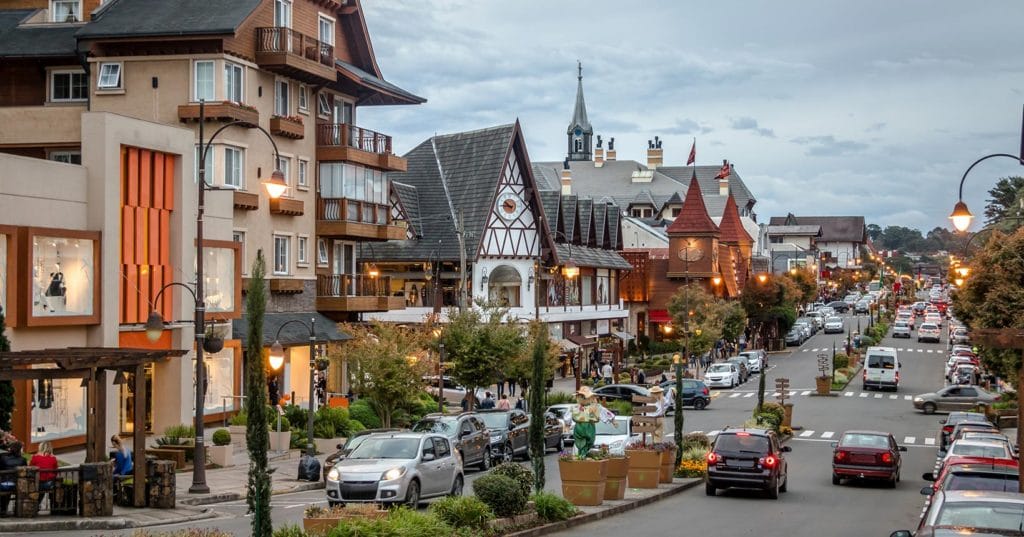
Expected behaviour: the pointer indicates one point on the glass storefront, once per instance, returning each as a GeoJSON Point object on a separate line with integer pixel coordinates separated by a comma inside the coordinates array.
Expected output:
{"type": "Point", "coordinates": [58, 409]}
{"type": "Point", "coordinates": [220, 380]}
{"type": "Point", "coordinates": [219, 279]}
{"type": "Point", "coordinates": [63, 276]}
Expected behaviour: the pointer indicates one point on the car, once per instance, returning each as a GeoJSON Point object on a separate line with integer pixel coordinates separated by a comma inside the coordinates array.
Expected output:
{"type": "Point", "coordinates": [346, 448]}
{"type": "Point", "coordinates": [929, 332]}
{"type": "Point", "coordinates": [919, 308]}
{"type": "Point", "coordinates": [756, 360]}
{"type": "Point", "coordinates": [806, 327]}
{"type": "Point", "coordinates": [862, 306]}
{"type": "Point", "coordinates": [741, 365]}
{"type": "Point", "coordinates": [509, 431]}
{"type": "Point", "coordinates": [817, 319]}
{"type": "Point", "coordinates": [867, 455]}
{"type": "Point", "coordinates": [881, 368]}
{"type": "Point", "coordinates": [965, 374]}
{"type": "Point", "coordinates": [695, 394]}
{"type": "Point", "coordinates": [851, 299]}
{"type": "Point", "coordinates": [991, 436]}
{"type": "Point", "coordinates": [826, 312]}
{"type": "Point", "coordinates": [835, 325]}
{"type": "Point", "coordinates": [956, 417]}
{"type": "Point", "coordinates": [396, 468]}
{"type": "Point", "coordinates": [901, 328]}
{"type": "Point", "coordinates": [957, 430]}
{"type": "Point", "coordinates": [563, 412]}
{"type": "Point", "coordinates": [934, 318]}
{"type": "Point", "coordinates": [615, 435]}
{"type": "Point", "coordinates": [907, 318]}
{"type": "Point", "coordinates": [722, 375]}
{"type": "Point", "coordinates": [467, 433]}
{"type": "Point", "coordinates": [960, 336]}
{"type": "Point", "coordinates": [989, 449]}
{"type": "Point", "coordinates": [839, 306]}
{"type": "Point", "coordinates": [747, 458]}
{"type": "Point", "coordinates": [795, 336]}
{"type": "Point", "coordinates": [623, 392]}
{"type": "Point", "coordinates": [967, 473]}
{"type": "Point", "coordinates": [970, 512]}
{"type": "Point", "coordinates": [953, 363]}
{"type": "Point", "coordinates": [953, 398]}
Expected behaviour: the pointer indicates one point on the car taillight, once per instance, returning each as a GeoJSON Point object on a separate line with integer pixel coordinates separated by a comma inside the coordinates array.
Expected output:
{"type": "Point", "coordinates": [947, 429]}
{"type": "Point", "coordinates": [769, 461]}
{"type": "Point", "coordinates": [841, 456]}
{"type": "Point", "coordinates": [865, 374]}
{"type": "Point", "coordinates": [887, 458]}
{"type": "Point", "coordinates": [705, 391]}
{"type": "Point", "coordinates": [897, 376]}
{"type": "Point", "coordinates": [713, 458]}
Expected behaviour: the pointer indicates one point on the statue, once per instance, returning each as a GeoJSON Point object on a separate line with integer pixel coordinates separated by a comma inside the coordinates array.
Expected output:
{"type": "Point", "coordinates": [586, 414]}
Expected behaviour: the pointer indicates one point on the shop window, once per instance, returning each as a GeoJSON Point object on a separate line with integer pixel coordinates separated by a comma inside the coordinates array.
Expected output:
{"type": "Point", "coordinates": [63, 276]}
{"type": "Point", "coordinates": [587, 283]}
{"type": "Point", "coordinates": [220, 380]}
{"type": "Point", "coordinates": [58, 409]}
{"type": "Point", "coordinates": [219, 269]}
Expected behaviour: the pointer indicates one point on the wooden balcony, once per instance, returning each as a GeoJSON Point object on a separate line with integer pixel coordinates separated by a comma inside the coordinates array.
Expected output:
{"type": "Point", "coordinates": [246, 201]}
{"type": "Point", "coordinates": [221, 111]}
{"type": "Point", "coordinates": [344, 142]}
{"type": "Point", "coordinates": [295, 55]}
{"type": "Point", "coordinates": [286, 206]}
{"type": "Point", "coordinates": [287, 127]}
{"type": "Point", "coordinates": [347, 218]}
{"type": "Point", "coordinates": [355, 293]}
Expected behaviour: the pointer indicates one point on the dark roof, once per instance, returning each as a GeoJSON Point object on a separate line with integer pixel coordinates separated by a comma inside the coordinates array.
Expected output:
{"type": "Point", "coordinates": [142, 18]}
{"type": "Point", "coordinates": [34, 40]}
{"type": "Point", "coordinates": [409, 198]}
{"type": "Point", "coordinates": [586, 208]}
{"type": "Point", "coordinates": [569, 214]}
{"type": "Point", "coordinates": [397, 94]}
{"type": "Point", "coordinates": [813, 231]}
{"type": "Point", "coordinates": [585, 256]}
{"type": "Point", "coordinates": [551, 201]}
{"type": "Point", "coordinates": [579, 110]}
{"type": "Point", "coordinates": [833, 228]}
{"type": "Point", "coordinates": [293, 334]}
{"type": "Point", "coordinates": [600, 215]}
{"type": "Point", "coordinates": [693, 218]}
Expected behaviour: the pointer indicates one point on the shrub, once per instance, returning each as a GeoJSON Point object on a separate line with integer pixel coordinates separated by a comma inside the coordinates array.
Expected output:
{"type": "Point", "coordinates": [355, 426]}
{"type": "Point", "coordinates": [522, 475]}
{"type": "Point", "coordinates": [289, 530]}
{"type": "Point", "coordinates": [338, 417]}
{"type": "Point", "coordinates": [768, 420]}
{"type": "Point", "coordinates": [553, 508]}
{"type": "Point", "coordinates": [462, 512]}
{"type": "Point", "coordinates": [774, 409]}
{"type": "Point", "coordinates": [696, 453]}
{"type": "Point", "coordinates": [402, 521]}
{"type": "Point", "coordinates": [841, 361]}
{"type": "Point", "coordinates": [560, 398]}
{"type": "Point", "coordinates": [840, 378]}
{"type": "Point", "coordinates": [221, 437]}
{"type": "Point", "coordinates": [180, 432]}
{"type": "Point", "coordinates": [239, 419]}
{"type": "Point", "coordinates": [694, 440]}
{"type": "Point", "coordinates": [296, 415]}
{"type": "Point", "coordinates": [323, 429]}
{"type": "Point", "coordinates": [362, 411]}
{"type": "Point", "coordinates": [272, 420]}
{"type": "Point", "coordinates": [298, 438]}
{"type": "Point", "coordinates": [502, 494]}
{"type": "Point", "coordinates": [620, 408]}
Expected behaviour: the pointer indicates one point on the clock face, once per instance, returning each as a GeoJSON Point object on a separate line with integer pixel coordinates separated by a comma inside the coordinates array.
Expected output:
{"type": "Point", "coordinates": [690, 253]}
{"type": "Point", "coordinates": [578, 131]}
{"type": "Point", "coordinates": [510, 206]}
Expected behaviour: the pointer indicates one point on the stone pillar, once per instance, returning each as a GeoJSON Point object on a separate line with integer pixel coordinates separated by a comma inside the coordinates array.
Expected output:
{"type": "Point", "coordinates": [160, 484]}
{"type": "Point", "coordinates": [97, 489]}
{"type": "Point", "coordinates": [26, 499]}
{"type": "Point", "coordinates": [787, 415]}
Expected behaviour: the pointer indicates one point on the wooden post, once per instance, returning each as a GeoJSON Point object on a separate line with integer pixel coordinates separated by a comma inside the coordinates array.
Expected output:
{"type": "Point", "coordinates": [99, 435]}
{"type": "Point", "coordinates": [90, 418]}
{"type": "Point", "coordinates": [139, 437]}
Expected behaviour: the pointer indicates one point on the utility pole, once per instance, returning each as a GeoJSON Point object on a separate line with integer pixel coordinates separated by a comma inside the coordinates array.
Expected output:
{"type": "Point", "coordinates": [460, 232]}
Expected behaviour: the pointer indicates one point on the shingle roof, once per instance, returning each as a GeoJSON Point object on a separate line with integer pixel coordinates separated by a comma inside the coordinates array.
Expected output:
{"type": "Point", "coordinates": [141, 18]}
{"type": "Point", "coordinates": [586, 231]}
{"type": "Point", "coordinates": [731, 227]}
{"type": "Point", "coordinates": [693, 218]}
{"type": "Point", "coordinates": [585, 256]}
{"type": "Point", "coordinates": [32, 40]}
{"type": "Point", "coordinates": [294, 333]}
{"type": "Point", "coordinates": [569, 218]}
{"type": "Point", "coordinates": [813, 231]}
{"type": "Point", "coordinates": [409, 197]}
{"type": "Point", "coordinates": [600, 215]}
{"type": "Point", "coordinates": [551, 201]}
{"type": "Point", "coordinates": [369, 79]}
{"type": "Point", "coordinates": [833, 228]}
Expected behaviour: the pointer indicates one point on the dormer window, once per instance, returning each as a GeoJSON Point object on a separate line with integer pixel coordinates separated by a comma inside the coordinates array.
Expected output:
{"type": "Point", "coordinates": [65, 10]}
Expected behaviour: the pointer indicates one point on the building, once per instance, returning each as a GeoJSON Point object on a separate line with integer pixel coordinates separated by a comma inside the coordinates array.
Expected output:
{"type": "Point", "coordinates": [793, 246]}
{"type": "Point", "coordinates": [284, 76]}
{"type": "Point", "coordinates": [841, 244]}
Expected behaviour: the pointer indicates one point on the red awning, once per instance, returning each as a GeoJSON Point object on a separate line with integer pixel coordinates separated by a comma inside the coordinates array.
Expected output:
{"type": "Point", "coordinates": [659, 316]}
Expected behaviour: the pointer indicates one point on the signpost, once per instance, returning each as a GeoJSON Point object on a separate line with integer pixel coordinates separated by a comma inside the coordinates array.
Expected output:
{"type": "Point", "coordinates": [782, 386]}
{"type": "Point", "coordinates": [642, 423]}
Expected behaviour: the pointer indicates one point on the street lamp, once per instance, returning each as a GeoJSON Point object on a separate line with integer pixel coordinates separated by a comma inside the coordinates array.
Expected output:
{"type": "Point", "coordinates": [762, 277]}
{"type": "Point", "coordinates": [154, 324]}
{"type": "Point", "coordinates": [277, 355]}
{"type": "Point", "coordinates": [961, 216]}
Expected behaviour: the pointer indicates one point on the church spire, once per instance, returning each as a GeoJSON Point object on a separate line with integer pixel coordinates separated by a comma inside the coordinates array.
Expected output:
{"type": "Point", "coordinates": [580, 132]}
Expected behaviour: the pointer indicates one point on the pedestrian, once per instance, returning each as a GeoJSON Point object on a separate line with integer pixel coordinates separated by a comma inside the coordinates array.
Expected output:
{"type": "Point", "coordinates": [512, 387]}
{"type": "Point", "coordinates": [504, 404]}
{"type": "Point", "coordinates": [632, 375]}
{"type": "Point", "coordinates": [9, 461]}
{"type": "Point", "coordinates": [641, 377]}
{"type": "Point", "coordinates": [501, 387]}
{"type": "Point", "coordinates": [521, 404]}
{"type": "Point", "coordinates": [488, 401]}
{"type": "Point", "coordinates": [47, 464]}
{"type": "Point", "coordinates": [122, 457]}
{"type": "Point", "coordinates": [606, 373]}
{"type": "Point", "coordinates": [664, 377]}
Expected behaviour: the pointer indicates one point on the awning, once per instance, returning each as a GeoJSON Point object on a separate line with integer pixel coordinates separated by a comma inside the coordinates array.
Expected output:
{"type": "Point", "coordinates": [659, 316]}
{"type": "Point", "coordinates": [583, 341]}
{"type": "Point", "coordinates": [295, 333]}
{"type": "Point", "coordinates": [624, 336]}
{"type": "Point", "coordinates": [567, 345]}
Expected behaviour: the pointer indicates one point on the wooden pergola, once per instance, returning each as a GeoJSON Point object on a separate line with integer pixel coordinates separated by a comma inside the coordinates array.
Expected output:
{"type": "Point", "coordinates": [91, 364]}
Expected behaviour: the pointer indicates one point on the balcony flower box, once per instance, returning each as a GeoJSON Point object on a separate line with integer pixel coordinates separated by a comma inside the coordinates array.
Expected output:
{"type": "Point", "coordinates": [221, 111]}
{"type": "Point", "coordinates": [287, 127]}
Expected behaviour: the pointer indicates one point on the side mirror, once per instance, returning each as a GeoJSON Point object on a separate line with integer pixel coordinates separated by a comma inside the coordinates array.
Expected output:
{"type": "Point", "coordinates": [835, 445]}
{"type": "Point", "coordinates": [340, 446]}
{"type": "Point", "coordinates": [928, 476]}
{"type": "Point", "coordinates": [786, 449]}
{"type": "Point", "coordinates": [901, 533]}
{"type": "Point", "coordinates": [903, 448]}
{"type": "Point", "coordinates": [427, 457]}
{"type": "Point", "coordinates": [926, 491]}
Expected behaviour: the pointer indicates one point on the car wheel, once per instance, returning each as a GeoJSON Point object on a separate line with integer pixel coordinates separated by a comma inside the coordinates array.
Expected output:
{"type": "Point", "coordinates": [836, 479]}
{"type": "Point", "coordinates": [928, 408]}
{"type": "Point", "coordinates": [699, 404]}
{"type": "Point", "coordinates": [507, 455]}
{"type": "Point", "coordinates": [485, 461]}
{"type": "Point", "coordinates": [732, 383]}
{"type": "Point", "coordinates": [457, 486]}
{"type": "Point", "coordinates": [891, 483]}
{"type": "Point", "coordinates": [709, 489]}
{"type": "Point", "coordinates": [773, 490]}
{"type": "Point", "coordinates": [412, 494]}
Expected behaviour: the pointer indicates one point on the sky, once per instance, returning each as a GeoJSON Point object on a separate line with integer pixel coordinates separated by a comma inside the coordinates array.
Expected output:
{"type": "Point", "coordinates": [825, 107]}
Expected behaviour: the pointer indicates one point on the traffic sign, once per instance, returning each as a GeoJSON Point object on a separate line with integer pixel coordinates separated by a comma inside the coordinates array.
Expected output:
{"type": "Point", "coordinates": [781, 383]}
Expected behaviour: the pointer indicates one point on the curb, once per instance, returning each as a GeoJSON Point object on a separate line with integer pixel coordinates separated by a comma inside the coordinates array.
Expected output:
{"type": "Point", "coordinates": [618, 509]}
{"type": "Point", "coordinates": [235, 496]}
{"type": "Point", "coordinates": [112, 523]}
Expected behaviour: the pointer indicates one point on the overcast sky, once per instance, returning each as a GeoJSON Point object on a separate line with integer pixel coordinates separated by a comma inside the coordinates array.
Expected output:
{"type": "Point", "coordinates": [826, 107]}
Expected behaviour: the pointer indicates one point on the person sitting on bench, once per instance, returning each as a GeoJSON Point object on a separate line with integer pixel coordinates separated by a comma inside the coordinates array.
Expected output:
{"type": "Point", "coordinates": [9, 462]}
{"type": "Point", "coordinates": [122, 457]}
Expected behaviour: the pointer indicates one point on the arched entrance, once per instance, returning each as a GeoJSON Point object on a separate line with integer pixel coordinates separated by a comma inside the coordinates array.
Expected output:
{"type": "Point", "coordinates": [503, 286]}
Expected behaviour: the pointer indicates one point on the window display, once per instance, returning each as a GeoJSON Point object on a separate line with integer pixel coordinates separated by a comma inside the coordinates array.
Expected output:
{"type": "Point", "coordinates": [3, 272]}
{"type": "Point", "coordinates": [58, 409]}
{"type": "Point", "coordinates": [219, 279]}
{"type": "Point", "coordinates": [220, 380]}
{"type": "Point", "coordinates": [63, 277]}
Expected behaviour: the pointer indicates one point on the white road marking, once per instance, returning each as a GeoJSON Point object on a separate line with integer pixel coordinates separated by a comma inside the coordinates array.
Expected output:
{"type": "Point", "coordinates": [848, 394]}
{"type": "Point", "coordinates": [930, 351]}
{"type": "Point", "coordinates": [878, 396]}
{"type": "Point", "coordinates": [863, 394]}
{"type": "Point", "coordinates": [776, 394]}
{"type": "Point", "coordinates": [929, 441]}
{"type": "Point", "coordinates": [805, 350]}
{"type": "Point", "coordinates": [827, 434]}
{"type": "Point", "coordinates": [909, 440]}
{"type": "Point", "coordinates": [734, 395]}
{"type": "Point", "coordinates": [805, 392]}
{"type": "Point", "coordinates": [751, 394]}
{"type": "Point", "coordinates": [908, 397]}
{"type": "Point", "coordinates": [894, 397]}
{"type": "Point", "coordinates": [805, 434]}
{"type": "Point", "coordinates": [899, 350]}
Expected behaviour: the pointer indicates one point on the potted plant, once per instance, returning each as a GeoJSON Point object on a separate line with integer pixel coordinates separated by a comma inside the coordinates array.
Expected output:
{"type": "Point", "coordinates": [213, 341]}
{"type": "Point", "coordinates": [322, 364]}
{"type": "Point", "coordinates": [618, 470]}
{"type": "Point", "coordinates": [317, 520]}
{"type": "Point", "coordinates": [221, 452]}
{"type": "Point", "coordinates": [668, 461]}
{"type": "Point", "coordinates": [644, 465]}
{"type": "Point", "coordinates": [823, 384]}
{"type": "Point", "coordinates": [583, 477]}
{"type": "Point", "coordinates": [279, 441]}
{"type": "Point", "coordinates": [236, 426]}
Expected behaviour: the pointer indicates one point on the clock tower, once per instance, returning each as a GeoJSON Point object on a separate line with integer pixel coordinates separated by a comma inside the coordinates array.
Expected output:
{"type": "Point", "coordinates": [580, 132]}
{"type": "Point", "coordinates": [693, 239]}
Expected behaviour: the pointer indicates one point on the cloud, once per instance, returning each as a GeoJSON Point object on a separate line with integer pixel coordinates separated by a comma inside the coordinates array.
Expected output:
{"type": "Point", "coordinates": [875, 127]}
{"type": "Point", "coordinates": [687, 126]}
{"type": "Point", "coordinates": [828, 146]}
{"type": "Point", "coordinates": [750, 124]}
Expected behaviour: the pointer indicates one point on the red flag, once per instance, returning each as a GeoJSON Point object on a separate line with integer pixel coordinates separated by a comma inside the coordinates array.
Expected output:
{"type": "Point", "coordinates": [725, 171]}
{"type": "Point", "coordinates": [693, 153]}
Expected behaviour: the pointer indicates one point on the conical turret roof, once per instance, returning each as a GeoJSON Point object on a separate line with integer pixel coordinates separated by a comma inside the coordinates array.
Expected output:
{"type": "Point", "coordinates": [731, 227]}
{"type": "Point", "coordinates": [693, 218]}
{"type": "Point", "coordinates": [579, 115]}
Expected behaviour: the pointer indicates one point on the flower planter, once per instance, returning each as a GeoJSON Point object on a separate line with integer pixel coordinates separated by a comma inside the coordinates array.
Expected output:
{"type": "Point", "coordinates": [280, 441]}
{"type": "Point", "coordinates": [287, 127]}
{"type": "Point", "coordinates": [644, 468]}
{"type": "Point", "coordinates": [615, 485]}
{"type": "Point", "coordinates": [823, 385]}
{"type": "Point", "coordinates": [323, 525]}
{"type": "Point", "coordinates": [583, 481]}
{"type": "Point", "coordinates": [237, 435]}
{"type": "Point", "coordinates": [222, 456]}
{"type": "Point", "coordinates": [668, 466]}
{"type": "Point", "coordinates": [213, 344]}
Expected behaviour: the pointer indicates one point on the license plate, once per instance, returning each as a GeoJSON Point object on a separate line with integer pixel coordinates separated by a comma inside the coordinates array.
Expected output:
{"type": "Point", "coordinates": [862, 459]}
{"type": "Point", "coordinates": [739, 463]}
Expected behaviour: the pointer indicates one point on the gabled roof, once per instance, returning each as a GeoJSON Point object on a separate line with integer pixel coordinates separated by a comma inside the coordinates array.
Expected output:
{"type": "Point", "coordinates": [381, 91]}
{"type": "Point", "coordinates": [600, 215]}
{"type": "Point", "coordinates": [614, 225]}
{"type": "Point", "coordinates": [409, 198]}
{"type": "Point", "coordinates": [586, 256]}
{"type": "Point", "coordinates": [34, 40]}
{"type": "Point", "coordinates": [586, 208]}
{"type": "Point", "coordinates": [801, 231]}
{"type": "Point", "coordinates": [693, 218]}
{"type": "Point", "coordinates": [570, 204]}
{"type": "Point", "coordinates": [731, 227]}
{"type": "Point", "coordinates": [551, 202]}
{"type": "Point", "coordinates": [833, 228]}
{"type": "Point", "coordinates": [145, 18]}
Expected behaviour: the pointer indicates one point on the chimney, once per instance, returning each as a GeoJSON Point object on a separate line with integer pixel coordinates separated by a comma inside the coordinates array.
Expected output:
{"type": "Point", "coordinates": [655, 156]}
{"type": "Point", "coordinates": [598, 153]}
{"type": "Point", "coordinates": [566, 178]}
{"type": "Point", "coordinates": [723, 183]}
{"type": "Point", "coordinates": [610, 156]}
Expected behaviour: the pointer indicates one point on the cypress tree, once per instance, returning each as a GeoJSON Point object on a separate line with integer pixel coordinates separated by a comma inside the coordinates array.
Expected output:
{"type": "Point", "coordinates": [6, 386]}
{"type": "Point", "coordinates": [257, 436]}
{"type": "Point", "coordinates": [537, 383]}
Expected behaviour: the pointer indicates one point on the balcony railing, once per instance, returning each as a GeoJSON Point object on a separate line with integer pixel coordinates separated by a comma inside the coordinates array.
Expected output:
{"type": "Point", "coordinates": [280, 39]}
{"type": "Point", "coordinates": [345, 135]}
{"type": "Point", "coordinates": [352, 285]}
{"type": "Point", "coordinates": [350, 210]}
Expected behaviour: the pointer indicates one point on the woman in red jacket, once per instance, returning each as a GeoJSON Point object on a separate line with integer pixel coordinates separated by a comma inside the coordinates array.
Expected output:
{"type": "Point", "coordinates": [47, 464]}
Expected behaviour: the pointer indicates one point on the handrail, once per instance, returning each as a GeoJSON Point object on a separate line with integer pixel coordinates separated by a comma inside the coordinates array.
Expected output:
{"type": "Point", "coordinates": [287, 40]}
{"type": "Point", "coordinates": [346, 135]}
{"type": "Point", "coordinates": [351, 285]}
{"type": "Point", "coordinates": [351, 210]}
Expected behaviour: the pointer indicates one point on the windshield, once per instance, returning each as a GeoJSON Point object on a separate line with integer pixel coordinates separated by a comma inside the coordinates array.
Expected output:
{"type": "Point", "coordinates": [975, 450]}
{"type": "Point", "coordinates": [442, 426]}
{"type": "Point", "coordinates": [494, 420]}
{"type": "Point", "coordinates": [973, 481]}
{"type": "Point", "coordinates": [901, 324]}
{"type": "Point", "coordinates": [881, 361]}
{"type": "Point", "coordinates": [744, 443]}
{"type": "Point", "coordinates": [386, 448]}
{"type": "Point", "coordinates": [834, 320]}
{"type": "Point", "coordinates": [928, 326]}
{"type": "Point", "coordinates": [720, 368]}
{"type": "Point", "coordinates": [865, 440]}
{"type": "Point", "coordinates": [995, 515]}
{"type": "Point", "coordinates": [619, 426]}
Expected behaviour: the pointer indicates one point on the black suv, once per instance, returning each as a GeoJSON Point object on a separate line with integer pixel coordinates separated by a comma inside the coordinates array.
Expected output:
{"type": "Point", "coordinates": [466, 431]}
{"type": "Point", "coordinates": [509, 433]}
{"type": "Point", "coordinates": [747, 458]}
{"type": "Point", "coordinates": [695, 393]}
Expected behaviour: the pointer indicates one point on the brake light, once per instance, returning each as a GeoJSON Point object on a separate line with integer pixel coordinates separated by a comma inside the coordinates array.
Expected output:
{"type": "Point", "coordinates": [947, 429]}
{"type": "Point", "coordinates": [887, 458]}
{"type": "Point", "coordinates": [705, 390]}
{"type": "Point", "coordinates": [742, 434]}
{"type": "Point", "coordinates": [897, 376]}
{"type": "Point", "coordinates": [713, 458]}
{"type": "Point", "coordinates": [769, 461]}
{"type": "Point", "coordinates": [841, 456]}
{"type": "Point", "coordinates": [865, 374]}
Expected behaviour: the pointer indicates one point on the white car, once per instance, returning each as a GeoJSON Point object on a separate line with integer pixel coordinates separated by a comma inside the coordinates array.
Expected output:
{"type": "Point", "coordinates": [978, 448]}
{"type": "Point", "coordinates": [834, 325]}
{"type": "Point", "coordinates": [930, 332]}
{"type": "Point", "coordinates": [901, 329]}
{"type": "Point", "coordinates": [722, 375]}
{"type": "Point", "coordinates": [756, 360]}
{"type": "Point", "coordinates": [616, 434]}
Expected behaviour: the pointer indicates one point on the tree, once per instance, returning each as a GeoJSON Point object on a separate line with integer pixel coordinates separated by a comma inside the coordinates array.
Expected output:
{"type": "Point", "coordinates": [1007, 191]}
{"type": "Point", "coordinates": [6, 387]}
{"type": "Point", "coordinates": [770, 305]}
{"type": "Point", "coordinates": [384, 365]}
{"type": "Point", "coordinates": [480, 345]}
{"type": "Point", "coordinates": [805, 283]}
{"type": "Point", "coordinates": [541, 372]}
{"type": "Point", "coordinates": [694, 309]}
{"type": "Point", "coordinates": [734, 321]}
{"type": "Point", "coordinates": [874, 231]}
{"type": "Point", "coordinates": [257, 437]}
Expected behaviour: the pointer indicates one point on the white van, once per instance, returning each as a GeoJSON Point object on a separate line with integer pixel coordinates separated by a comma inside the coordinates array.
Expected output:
{"type": "Point", "coordinates": [881, 368]}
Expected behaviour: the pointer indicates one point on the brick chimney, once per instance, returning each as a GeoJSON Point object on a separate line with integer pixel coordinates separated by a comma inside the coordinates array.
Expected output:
{"type": "Point", "coordinates": [723, 183]}
{"type": "Point", "coordinates": [655, 157]}
{"type": "Point", "coordinates": [598, 153]}
{"type": "Point", "coordinates": [566, 178]}
{"type": "Point", "coordinates": [610, 155]}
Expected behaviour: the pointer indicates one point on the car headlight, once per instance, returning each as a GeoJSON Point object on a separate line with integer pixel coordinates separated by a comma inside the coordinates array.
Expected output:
{"type": "Point", "coordinates": [918, 399]}
{"type": "Point", "coordinates": [334, 475]}
{"type": "Point", "coordinates": [393, 474]}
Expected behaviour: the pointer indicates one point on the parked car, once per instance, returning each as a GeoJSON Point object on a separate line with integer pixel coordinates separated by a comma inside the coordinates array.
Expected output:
{"type": "Point", "coordinates": [835, 325]}
{"type": "Point", "coordinates": [756, 360]}
{"type": "Point", "coordinates": [952, 419]}
{"type": "Point", "coordinates": [881, 368]}
{"type": "Point", "coordinates": [839, 306]}
{"type": "Point", "coordinates": [722, 375]}
{"type": "Point", "coordinates": [867, 455]}
{"type": "Point", "coordinates": [695, 394]}
{"type": "Point", "coordinates": [616, 435]}
{"type": "Point", "coordinates": [795, 336]}
{"type": "Point", "coordinates": [741, 365]}
{"type": "Point", "coordinates": [466, 432]}
{"type": "Point", "coordinates": [563, 412]}
{"type": "Point", "coordinates": [862, 306]}
{"type": "Point", "coordinates": [989, 449]}
{"type": "Point", "coordinates": [509, 431]}
{"type": "Point", "coordinates": [817, 319]}
{"type": "Point", "coordinates": [965, 473]}
{"type": "Point", "coordinates": [953, 398]}
{"type": "Point", "coordinates": [806, 327]}
{"type": "Point", "coordinates": [958, 430]}
{"type": "Point", "coordinates": [960, 336]}
{"type": "Point", "coordinates": [901, 328]}
{"type": "Point", "coordinates": [747, 458]}
{"type": "Point", "coordinates": [346, 448]}
{"type": "Point", "coordinates": [399, 467]}
{"type": "Point", "coordinates": [962, 512]}
{"type": "Point", "coordinates": [929, 332]}
{"type": "Point", "coordinates": [624, 392]}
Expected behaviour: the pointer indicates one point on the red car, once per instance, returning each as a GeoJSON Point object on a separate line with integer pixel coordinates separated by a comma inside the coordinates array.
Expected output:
{"type": "Point", "coordinates": [866, 455]}
{"type": "Point", "coordinates": [974, 473]}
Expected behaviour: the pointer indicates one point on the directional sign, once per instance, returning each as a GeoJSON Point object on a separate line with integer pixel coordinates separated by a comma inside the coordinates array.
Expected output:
{"type": "Point", "coordinates": [645, 399]}
{"type": "Point", "coordinates": [781, 383]}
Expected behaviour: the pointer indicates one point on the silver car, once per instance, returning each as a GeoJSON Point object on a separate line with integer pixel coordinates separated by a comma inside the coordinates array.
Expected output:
{"type": "Point", "coordinates": [398, 467]}
{"type": "Point", "coordinates": [901, 329]}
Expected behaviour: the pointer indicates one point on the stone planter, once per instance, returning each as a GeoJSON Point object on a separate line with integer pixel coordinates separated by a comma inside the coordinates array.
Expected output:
{"type": "Point", "coordinates": [668, 466]}
{"type": "Point", "coordinates": [823, 385]}
{"type": "Point", "coordinates": [583, 481]}
{"type": "Point", "coordinates": [237, 435]}
{"type": "Point", "coordinates": [323, 525]}
{"type": "Point", "coordinates": [615, 484]}
{"type": "Point", "coordinates": [222, 456]}
{"type": "Point", "coordinates": [644, 468]}
{"type": "Point", "coordinates": [280, 441]}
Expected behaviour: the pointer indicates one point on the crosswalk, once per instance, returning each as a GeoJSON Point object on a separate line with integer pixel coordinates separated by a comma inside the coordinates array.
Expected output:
{"type": "Point", "coordinates": [831, 436]}
{"type": "Point", "coordinates": [924, 351]}
{"type": "Point", "coordinates": [736, 394]}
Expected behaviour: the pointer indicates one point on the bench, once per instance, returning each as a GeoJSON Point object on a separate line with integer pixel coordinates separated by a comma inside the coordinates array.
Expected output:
{"type": "Point", "coordinates": [168, 454]}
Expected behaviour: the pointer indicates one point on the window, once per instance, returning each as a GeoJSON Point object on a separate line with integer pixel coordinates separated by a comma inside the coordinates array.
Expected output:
{"type": "Point", "coordinates": [281, 107]}
{"type": "Point", "coordinates": [775, 239]}
{"type": "Point", "coordinates": [326, 26]}
{"type": "Point", "coordinates": [234, 163]}
{"type": "Point", "coordinates": [303, 181]}
{"type": "Point", "coordinates": [110, 76]}
{"type": "Point", "coordinates": [441, 448]}
{"type": "Point", "coordinates": [209, 164]}
{"type": "Point", "coordinates": [676, 211]}
{"type": "Point", "coordinates": [323, 104]}
{"type": "Point", "coordinates": [285, 165]}
{"type": "Point", "coordinates": [66, 10]}
{"type": "Point", "coordinates": [204, 81]}
{"type": "Point", "coordinates": [234, 76]}
{"type": "Point", "coordinates": [321, 252]}
{"type": "Point", "coordinates": [283, 13]}
{"type": "Point", "coordinates": [282, 245]}
{"type": "Point", "coordinates": [303, 98]}
{"type": "Point", "coordinates": [302, 256]}
{"type": "Point", "coordinates": [67, 157]}
{"type": "Point", "coordinates": [239, 237]}
{"type": "Point", "coordinates": [67, 86]}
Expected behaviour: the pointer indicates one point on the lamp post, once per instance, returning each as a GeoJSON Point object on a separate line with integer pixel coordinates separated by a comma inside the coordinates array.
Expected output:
{"type": "Point", "coordinates": [277, 355]}
{"type": "Point", "coordinates": [155, 322]}
{"type": "Point", "coordinates": [440, 370]}
{"type": "Point", "coordinates": [961, 216]}
{"type": "Point", "coordinates": [677, 402]}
